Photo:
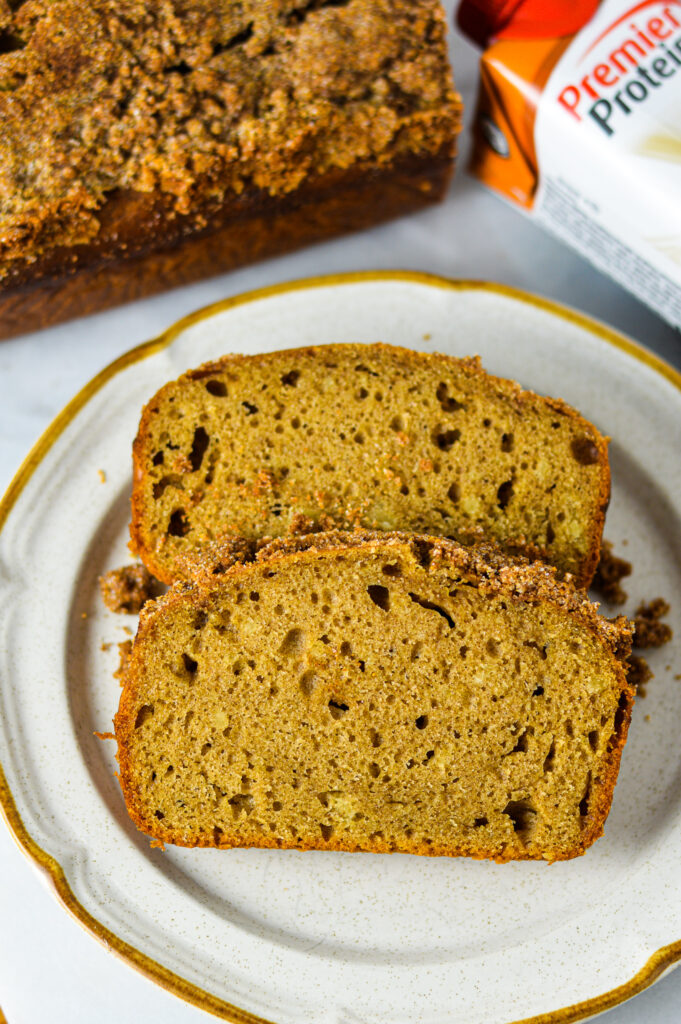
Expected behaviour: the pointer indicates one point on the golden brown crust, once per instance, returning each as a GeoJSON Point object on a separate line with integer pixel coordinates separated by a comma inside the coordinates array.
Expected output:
{"type": "Point", "coordinates": [593, 450]}
{"type": "Point", "coordinates": [487, 569]}
{"type": "Point", "coordinates": [139, 251]}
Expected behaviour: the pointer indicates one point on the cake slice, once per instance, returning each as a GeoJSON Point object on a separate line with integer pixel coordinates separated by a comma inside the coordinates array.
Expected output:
{"type": "Point", "coordinates": [365, 435]}
{"type": "Point", "coordinates": [372, 436]}
{"type": "Point", "coordinates": [379, 692]}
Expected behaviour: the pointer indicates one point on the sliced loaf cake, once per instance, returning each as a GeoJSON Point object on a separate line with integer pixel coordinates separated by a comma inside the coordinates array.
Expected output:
{"type": "Point", "coordinates": [378, 692]}
{"type": "Point", "coordinates": [371, 436]}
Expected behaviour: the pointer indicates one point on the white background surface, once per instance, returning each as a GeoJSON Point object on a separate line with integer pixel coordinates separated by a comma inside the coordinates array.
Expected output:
{"type": "Point", "coordinates": [50, 969]}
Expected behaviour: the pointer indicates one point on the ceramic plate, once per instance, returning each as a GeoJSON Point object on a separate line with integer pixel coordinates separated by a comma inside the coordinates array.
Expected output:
{"type": "Point", "coordinates": [336, 937]}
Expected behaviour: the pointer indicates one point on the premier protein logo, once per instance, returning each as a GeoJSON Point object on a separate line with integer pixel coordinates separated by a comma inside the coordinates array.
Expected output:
{"type": "Point", "coordinates": [646, 55]}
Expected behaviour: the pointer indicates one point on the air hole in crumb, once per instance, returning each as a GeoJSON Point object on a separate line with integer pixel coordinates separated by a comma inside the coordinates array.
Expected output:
{"type": "Point", "coordinates": [200, 619]}
{"type": "Point", "coordinates": [523, 814]}
{"type": "Point", "coordinates": [569, 728]}
{"type": "Point", "coordinates": [375, 737]}
{"type": "Point", "coordinates": [584, 451]}
{"type": "Point", "coordinates": [429, 755]}
{"type": "Point", "coordinates": [159, 814]}
{"type": "Point", "coordinates": [539, 648]}
{"type": "Point", "coordinates": [277, 805]}
{"type": "Point", "coordinates": [397, 424]}
{"type": "Point", "coordinates": [430, 606]}
{"type": "Point", "coordinates": [447, 403]}
{"type": "Point", "coordinates": [492, 648]}
{"type": "Point", "coordinates": [362, 393]}
{"type": "Point", "coordinates": [480, 822]}
{"type": "Point", "coordinates": [445, 439]}
{"type": "Point", "coordinates": [374, 770]}
{"type": "Point", "coordinates": [507, 442]}
{"type": "Point", "coordinates": [199, 445]}
{"type": "Point", "coordinates": [144, 713]}
{"type": "Point", "coordinates": [254, 595]}
{"type": "Point", "coordinates": [157, 459]}
{"type": "Point", "coordinates": [550, 758]}
{"type": "Point", "coordinates": [393, 570]}
{"type": "Point", "coordinates": [421, 722]}
{"type": "Point", "coordinates": [550, 534]}
{"type": "Point", "coordinates": [290, 379]}
{"type": "Point", "coordinates": [346, 648]}
{"type": "Point", "coordinates": [178, 524]}
{"type": "Point", "coordinates": [250, 408]}
{"type": "Point", "coordinates": [505, 493]}
{"type": "Point", "coordinates": [189, 663]}
{"type": "Point", "coordinates": [620, 714]}
{"type": "Point", "coordinates": [171, 480]}
{"type": "Point", "coordinates": [217, 388]}
{"type": "Point", "coordinates": [327, 831]}
{"type": "Point", "coordinates": [416, 651]}
{"type": "Point", "coordinates": [593, 739]}
{"type": "Point", "coordinates": [454, 492]}
{"type": "Point", "coordinates": [293, 643]}
{"type": "Point", "coordinates": [337, 710]}
{"type": "Point", "coordinates": [359, 438]}
{"type": "Point", "coordinates": [521, 743]}
{"type": "Point", "coordinates": [584, 802]}
{"type": "Point", "coordinates": [538, 691]}
{"type": "Point", "coordinates": [487, 422]}
{"type": "Point", "coordinates": [205, 748]}
{"type": "Point", "coordinates": [308, 682]}
{"type": "Point", "coordinates": [379, 595]}
{"type": "Point", "coordinates": [463, 651]}
{"type": "Point", "coordinates": [241, 802]}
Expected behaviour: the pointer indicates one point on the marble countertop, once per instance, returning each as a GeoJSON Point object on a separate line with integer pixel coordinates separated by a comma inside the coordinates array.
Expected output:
{"type": "Point", "coordinates": [51, 971]}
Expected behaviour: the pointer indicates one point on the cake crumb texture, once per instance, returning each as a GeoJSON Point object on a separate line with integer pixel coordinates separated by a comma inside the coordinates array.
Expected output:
{"type": "Point", "coordinates": [373, 436]}
{"type": "Point", "coordinates": [379, 692]}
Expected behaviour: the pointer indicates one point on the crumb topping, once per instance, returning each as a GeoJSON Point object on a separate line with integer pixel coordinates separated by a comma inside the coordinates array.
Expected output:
{"type": "Point", "coordinates": [124, 652]}
{"type": "Point", "coordinates": [492, 570]}
{"type": "Point", "coordinates": [638, 674]}
{"type": "Point", "coordinates": [609, 572]}
{"type": "Point", "coordinates": [204, 98]}
{"type": "Point", "coordinates": [126, 590]}
{"type": "Point", "coordinates": [648, 630]}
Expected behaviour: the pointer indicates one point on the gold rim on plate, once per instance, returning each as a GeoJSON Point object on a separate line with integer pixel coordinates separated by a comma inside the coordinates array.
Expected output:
{"type": "Point", "coordinates": [655, 966]}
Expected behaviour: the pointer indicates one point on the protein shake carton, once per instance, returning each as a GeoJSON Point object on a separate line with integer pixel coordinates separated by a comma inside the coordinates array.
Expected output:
{"type": "Point", "coordinates": [579, 122]}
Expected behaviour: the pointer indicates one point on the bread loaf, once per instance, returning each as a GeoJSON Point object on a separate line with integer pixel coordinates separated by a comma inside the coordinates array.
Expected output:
{"type": "Point", "coordinates": [147, 144]}
{"type": "Point", "coordinates": [378, 692]}
{"type": "Point", "coordinates": [371, 436]}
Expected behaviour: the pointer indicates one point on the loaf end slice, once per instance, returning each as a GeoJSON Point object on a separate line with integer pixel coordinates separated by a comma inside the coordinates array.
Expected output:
{"type": "Point", "coordinates": [364, 435]}
{"type": "Point", "coordinates": [377, 692]}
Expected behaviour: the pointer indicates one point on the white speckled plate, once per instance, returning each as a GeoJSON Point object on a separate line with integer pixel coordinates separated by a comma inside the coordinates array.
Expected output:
{"type": "Point", "coordinates": [326, 937]}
